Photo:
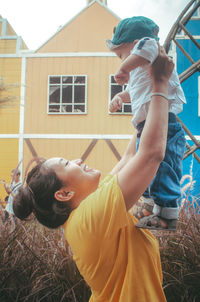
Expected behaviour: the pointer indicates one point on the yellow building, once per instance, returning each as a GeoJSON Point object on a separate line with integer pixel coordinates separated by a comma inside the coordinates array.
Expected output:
{"type": "Point", "coordinates": [11, 46]}
{"type": "Point", "coordinates": [65, 89]}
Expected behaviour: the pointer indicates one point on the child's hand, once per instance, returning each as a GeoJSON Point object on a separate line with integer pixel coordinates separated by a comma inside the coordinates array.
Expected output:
{"type": "Point", "coordinates": [115, 104]}
{"type": "Point", "coordinates": [121, 77]}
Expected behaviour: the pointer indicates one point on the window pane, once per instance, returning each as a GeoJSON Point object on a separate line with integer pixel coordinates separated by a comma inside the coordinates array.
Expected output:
{"type": "Point", "coordinates": [67, 79]}
{"type": "Point", "coordinates": [112, 79]}
{"type": "Point", "coordinates": [127, 108]}
{"type": "Point", "coordinates": [67, 94]}
{"type": "Point", "coordinates": [79, 108]}
{"type": "Point", "coordinates": [54, 80]}
{"type": "Point", "coordinates": [63, 108]}
{"type": "Point", "coordinates": [54, 108]}
{"type": "Point", "coordinates": [79, 94]}
{"type": "Point", "coordinates": [115, 89]}
{"type": "Point", "coordinates": [68, 108]}
{"type": "Point", "coordinates": [54, 94]}
{"type": "Point", "coordinates": [79, 80]}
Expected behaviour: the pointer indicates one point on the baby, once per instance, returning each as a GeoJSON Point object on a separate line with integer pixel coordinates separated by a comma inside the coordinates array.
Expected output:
{"type": "Point", "coordinates": [135, 43]}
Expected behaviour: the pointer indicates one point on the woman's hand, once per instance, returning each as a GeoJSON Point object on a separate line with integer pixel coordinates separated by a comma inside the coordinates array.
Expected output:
{"type": "Point", "coordinates": [137, 174]}
{"type": "Point", "coordinates": [161, 70]}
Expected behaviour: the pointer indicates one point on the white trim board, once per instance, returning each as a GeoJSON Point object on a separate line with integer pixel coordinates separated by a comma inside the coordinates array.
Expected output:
{"type": "Point", "coordinates": [4, 27]}
{"type": "Point", "coordinates": [9, 37]}
{"type": "Point", "coordinates": [22, 111]}
{"type": "Point", "coordinates": [78, 136]}
{"type": "Point", "coordinates": [58, 55]}
{"type": "Point", "coordinates": [74, 136]}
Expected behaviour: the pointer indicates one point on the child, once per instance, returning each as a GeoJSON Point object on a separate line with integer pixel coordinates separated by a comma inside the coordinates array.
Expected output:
{"type": "Point", "coordinates": [135, 43]}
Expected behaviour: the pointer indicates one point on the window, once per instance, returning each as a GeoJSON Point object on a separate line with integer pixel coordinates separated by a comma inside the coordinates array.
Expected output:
{"type": "Point", "coordinates": [114, 88]}
{"type": "Point", "coordinates": [67, 94]}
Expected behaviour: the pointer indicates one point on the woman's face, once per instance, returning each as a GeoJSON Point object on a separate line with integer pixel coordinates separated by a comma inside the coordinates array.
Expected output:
{"type": "Point", "coordinates": [75, 175]}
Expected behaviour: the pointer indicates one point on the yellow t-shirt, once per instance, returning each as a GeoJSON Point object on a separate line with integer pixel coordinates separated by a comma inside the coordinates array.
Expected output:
{"type": "Point", "coordinates": [119, 262]}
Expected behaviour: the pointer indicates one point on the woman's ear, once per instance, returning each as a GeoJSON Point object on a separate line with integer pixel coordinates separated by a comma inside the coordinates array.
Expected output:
{"type": "Point", "coordinates": [62, 195]}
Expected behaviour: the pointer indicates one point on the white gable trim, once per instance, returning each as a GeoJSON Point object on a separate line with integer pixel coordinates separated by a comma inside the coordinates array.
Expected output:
{"type": "Point", "coordinates": [62, 27]}
{"type": "Point", "coordinates": [106, 7]}
{"type": "Point", "coordinates": [18, 44]}
{"type": "Point", "coordinates": [104, 2]}
{"type": "Point", "coordinates": [4, 27]}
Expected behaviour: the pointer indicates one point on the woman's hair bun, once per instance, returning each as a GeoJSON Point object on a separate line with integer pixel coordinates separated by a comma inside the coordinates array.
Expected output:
{"type": "Point", "coordinates": [23, 203]}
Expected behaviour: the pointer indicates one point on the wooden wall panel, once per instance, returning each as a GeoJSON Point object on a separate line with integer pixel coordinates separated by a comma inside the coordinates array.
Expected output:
{"type": "Point", "coordinates": [8, 160]}
{"type": "Point", "coordinates": [10, 31]}
{"type": "Point", "coordinates": [10, 71]}
{"type": "Point", "coordinates": [97, 121]}
{"type": "Point", "coordinates": [8, 46]}
{"type": "Point", "coordinates": [101, 156]}
{"type": "Point", "coordinates": [70, 149]}
{"type": "Point", "coordinates": [87, 32]}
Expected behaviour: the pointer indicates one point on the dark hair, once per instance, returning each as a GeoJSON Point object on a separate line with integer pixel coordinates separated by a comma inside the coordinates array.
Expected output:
{"type": "Point", "coordinates": [38, 197]}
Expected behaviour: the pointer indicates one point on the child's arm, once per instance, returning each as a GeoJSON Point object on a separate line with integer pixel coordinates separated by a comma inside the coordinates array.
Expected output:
{"type": "Point", "coordinates": [130, 63]}
{"type": "Point", "coordinates": [116, 103]}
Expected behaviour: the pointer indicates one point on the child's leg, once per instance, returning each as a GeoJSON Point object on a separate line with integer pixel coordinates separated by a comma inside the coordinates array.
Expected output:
{"type": "Point", "coordinates": [165, 187]}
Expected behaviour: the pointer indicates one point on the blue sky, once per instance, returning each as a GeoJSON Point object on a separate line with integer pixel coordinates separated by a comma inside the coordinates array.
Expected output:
{"type": "Point", "coordinates": [36, 21]}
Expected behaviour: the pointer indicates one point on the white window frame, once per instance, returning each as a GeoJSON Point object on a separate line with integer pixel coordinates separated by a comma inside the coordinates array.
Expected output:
{"type": "Point", "coordinates": [61, 84]}
{"type": "Point", "coordinates": [123, 104]}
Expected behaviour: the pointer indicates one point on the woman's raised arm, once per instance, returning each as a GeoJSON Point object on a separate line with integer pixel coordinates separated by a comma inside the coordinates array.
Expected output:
{"type": "Point", "coordinates": [137, 174]}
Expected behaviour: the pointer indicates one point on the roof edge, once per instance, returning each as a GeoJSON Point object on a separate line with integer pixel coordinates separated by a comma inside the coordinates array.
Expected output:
{"type": "Point", "coordinates": [68, 22]}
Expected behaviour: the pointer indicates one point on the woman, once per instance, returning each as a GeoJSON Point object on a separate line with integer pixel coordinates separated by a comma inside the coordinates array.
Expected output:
{"type": "Point", "coordinates": [117, 260]}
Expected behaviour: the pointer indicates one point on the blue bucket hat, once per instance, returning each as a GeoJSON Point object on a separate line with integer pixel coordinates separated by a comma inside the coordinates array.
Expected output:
{"type": "Point", "coordinates": [130, 29]}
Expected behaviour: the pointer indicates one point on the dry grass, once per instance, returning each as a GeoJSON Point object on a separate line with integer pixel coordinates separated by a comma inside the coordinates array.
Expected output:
{"type": "Point", "coordinates": [34, 265]}
{"type": "Point", "coordinates": [180, 255]}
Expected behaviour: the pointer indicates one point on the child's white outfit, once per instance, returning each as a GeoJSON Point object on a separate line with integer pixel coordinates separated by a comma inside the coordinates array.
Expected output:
{"type": "Point", "coordinates": [139, 86]}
